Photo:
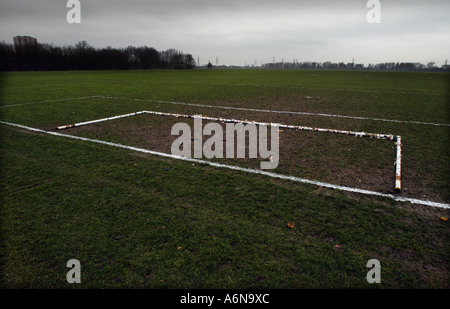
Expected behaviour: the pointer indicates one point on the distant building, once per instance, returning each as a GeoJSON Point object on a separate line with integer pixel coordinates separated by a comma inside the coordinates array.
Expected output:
{"type": "Point", "coordinates": [24, 41]}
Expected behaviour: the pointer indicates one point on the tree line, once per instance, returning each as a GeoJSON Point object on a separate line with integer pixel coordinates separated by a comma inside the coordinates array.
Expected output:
{"type": "Point", "coordinates": [82, 56]}
{"type": "Point", "coordinates": [389, 66]}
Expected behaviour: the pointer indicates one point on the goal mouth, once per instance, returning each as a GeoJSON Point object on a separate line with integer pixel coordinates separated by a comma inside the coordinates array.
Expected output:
{"type": "Point", "coordinates": [389, 137]}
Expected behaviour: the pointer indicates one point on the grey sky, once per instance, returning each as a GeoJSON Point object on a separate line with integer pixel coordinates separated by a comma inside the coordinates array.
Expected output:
{"type": "Point", "coordinates": [244, 31]}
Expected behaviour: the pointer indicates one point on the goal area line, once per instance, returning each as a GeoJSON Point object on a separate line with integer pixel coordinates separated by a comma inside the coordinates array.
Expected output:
{"type": "Point", "coordinates": [236, 168]}
{"type": "Point", "coordinates": [395, 138]}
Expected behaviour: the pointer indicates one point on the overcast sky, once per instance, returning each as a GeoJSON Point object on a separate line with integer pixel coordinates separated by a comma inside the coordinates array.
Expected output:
{"type": "Point", "coordinates": [244, 31]}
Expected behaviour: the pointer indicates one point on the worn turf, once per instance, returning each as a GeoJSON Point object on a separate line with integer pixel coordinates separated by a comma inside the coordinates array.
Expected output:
{"type": "Point", "coordinates": [136, 220]}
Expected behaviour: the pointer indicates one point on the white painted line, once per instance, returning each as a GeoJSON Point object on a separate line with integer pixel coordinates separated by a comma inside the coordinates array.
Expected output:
{"type": "Point", "coordinates": [280, 112]}
{"type": "Point", "coordinates": [284, 126]}
{"type": "Point", "coordinates": [236, 168]}
{"type": "Point", "coordinates": [99, 120]}
{"type": "Point", "coordinates": [320, 87]}
{"type": "Point", "coordinates": [50, 101]}
{"type": "Point", "coordinates": [398, 164]}
{"type": "Point", "coordinates": [237, 108]}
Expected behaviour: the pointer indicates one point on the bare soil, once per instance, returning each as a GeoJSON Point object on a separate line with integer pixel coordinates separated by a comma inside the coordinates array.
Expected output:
{"type": "Point", "coordinates": [343, 160]}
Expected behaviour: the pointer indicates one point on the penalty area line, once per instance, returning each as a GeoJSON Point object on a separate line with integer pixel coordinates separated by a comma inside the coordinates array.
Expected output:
{"type": "Point", "coordinates": [278, 111]}
{"type": "Point", "coordinates": [50, 101]}
{"type": "Point", "coordinates": [241, 169]}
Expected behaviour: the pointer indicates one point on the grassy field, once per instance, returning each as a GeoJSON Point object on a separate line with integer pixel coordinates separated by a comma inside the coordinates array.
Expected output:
{"type": "Point", "coordinates": [139, 220]}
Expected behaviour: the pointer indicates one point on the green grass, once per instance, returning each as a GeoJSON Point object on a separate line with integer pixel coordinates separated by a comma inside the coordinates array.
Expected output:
{"type": "Point", "coordinates": [145, 221]}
